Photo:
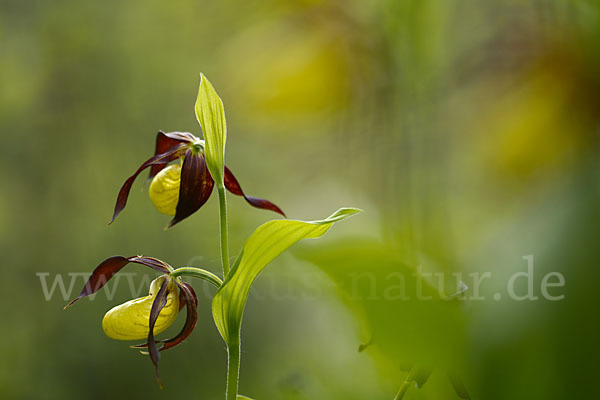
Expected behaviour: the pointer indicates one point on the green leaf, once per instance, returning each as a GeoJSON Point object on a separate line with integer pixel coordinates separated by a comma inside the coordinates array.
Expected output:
{"type": "Point", "coordinates": [211, 116]}
{"type": "Point", "coordinates": [267, 242]}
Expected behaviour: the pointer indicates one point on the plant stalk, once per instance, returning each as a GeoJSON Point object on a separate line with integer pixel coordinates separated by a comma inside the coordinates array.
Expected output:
{"type": "Point", "coordinates": [233, 369]}
{"type": "Point", "coordinates": [223, 229]}
{"type": "Point", "coordinates": [198, 273]}
{"type": "Point", "coordinates": [233, 348]}
{"type": "Point", "coordinates": [406, 384]}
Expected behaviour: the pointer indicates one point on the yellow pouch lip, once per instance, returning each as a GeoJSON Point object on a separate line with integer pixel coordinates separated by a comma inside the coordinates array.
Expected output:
{"type": "Point", "coordinates": [130, 320]}
{"type": "Point", "coordinates": [164, 189]}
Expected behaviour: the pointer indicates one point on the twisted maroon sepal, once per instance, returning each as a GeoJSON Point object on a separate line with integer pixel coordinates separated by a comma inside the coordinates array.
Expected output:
{"type": "Point", "coordinates": [109, 267]}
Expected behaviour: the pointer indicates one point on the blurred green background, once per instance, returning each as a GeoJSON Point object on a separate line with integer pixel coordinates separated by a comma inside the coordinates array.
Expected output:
{"type": "Point", "coordinates": [467, 131]}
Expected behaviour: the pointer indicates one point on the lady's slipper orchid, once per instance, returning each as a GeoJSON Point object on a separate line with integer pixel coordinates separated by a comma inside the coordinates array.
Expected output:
{"type": "Point", "coordinates": [129, 321]}
{"type": "Point", "coordinates": [147, 316]}
{"type": "Point", "coordinates": [180, 191]}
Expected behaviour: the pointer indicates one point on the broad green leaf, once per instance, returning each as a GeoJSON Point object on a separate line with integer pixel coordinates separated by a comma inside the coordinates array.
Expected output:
{"type": "Point", "coordinates": [211, 116]}
{"type": "Point", "coordinates": [267, 242]}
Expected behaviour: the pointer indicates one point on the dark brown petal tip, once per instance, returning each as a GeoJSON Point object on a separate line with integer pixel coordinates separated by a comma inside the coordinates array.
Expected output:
{"type": "Point", "coordinates": [165, 142]}
{"type": "Point", "coordinates": [232, 184]}
{"type": "Point", "coordinates": [187, 298]}
{"type": "Point", "coordinates": [160, 159]}
{"type": "Point", "coordinates": [157, 305]}
{"type": "Point", "coordinates": [195, 187]}
{"type": "Point", "coordinates": [109, 267]}
{"type": "Point", "coordinates": [100, 276]}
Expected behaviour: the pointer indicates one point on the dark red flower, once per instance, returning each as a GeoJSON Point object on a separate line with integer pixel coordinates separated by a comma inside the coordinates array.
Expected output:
{"type": "Point", "coordinates": [181, 190]}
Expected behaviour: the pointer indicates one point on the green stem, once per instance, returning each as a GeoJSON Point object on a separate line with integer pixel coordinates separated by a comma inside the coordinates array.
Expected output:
{"type": "Point", "coordinates": [406, 384]}
{"type": "Point", "coordinates": [233, 369]}
{"type": "Point", "coordinates": [198, 273]}
{"type": "Point", "coordinates": [233, 347]}
{"type": "Point", "coordinates": [223, 228]}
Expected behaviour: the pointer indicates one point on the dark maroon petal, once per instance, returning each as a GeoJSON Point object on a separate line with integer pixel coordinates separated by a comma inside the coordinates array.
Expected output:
{"type": "Point", "coordinates": [111, 266]}
{"type": "Point", "coordinates": [234, 187]}
{"type": "Point", "coordinates": [191, 302]}
{"type": "Point", "coordinates": [165, 142]}
{"type": "Point", "coordinates": [195, 187]}
{"type": "Point", "coordinates": [151, 262]}
{"type": "Point", "coordinates": [190, 290]}
{"type": "Point", "coordinates": [163, 158]}
{"type": "Point", "coordinates": [181, 299]}
{"type": "Point", "coordinates": [182, 295]}
{"type": "Point", "coordinates": [101, 275]}
{"type": "Point", "coordinates": [157, 305]}
{"type": "Point", "coordinates": [188, 298]}
{"type": "Point", "coordinates": [184, 137]}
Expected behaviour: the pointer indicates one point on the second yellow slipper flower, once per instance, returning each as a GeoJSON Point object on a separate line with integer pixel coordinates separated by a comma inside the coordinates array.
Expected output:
{"type": "Point", "coordinates": [130, 320]}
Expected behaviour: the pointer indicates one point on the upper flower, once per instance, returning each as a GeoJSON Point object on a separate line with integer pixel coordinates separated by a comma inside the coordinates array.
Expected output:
{"type": "Point", "coordinates": [180, 190]}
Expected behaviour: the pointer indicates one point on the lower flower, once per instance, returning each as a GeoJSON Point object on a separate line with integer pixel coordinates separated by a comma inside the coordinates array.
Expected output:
{"type": "Point", "coordinates": [147, 316]}
{"type": "Point", "coordinates": [130, 320]}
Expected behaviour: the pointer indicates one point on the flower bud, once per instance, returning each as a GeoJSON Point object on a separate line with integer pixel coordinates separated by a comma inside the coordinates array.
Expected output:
{"type": "Point", "coordinates": [130, 320]}
{"type": "Point", "coordinates": [164, 189]}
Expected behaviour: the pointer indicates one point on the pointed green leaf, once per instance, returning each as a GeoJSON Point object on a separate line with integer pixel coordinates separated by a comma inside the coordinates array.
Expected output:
{"type": "Point", "coordinates": [211, 116]}
{"type": "Point", "coordinates": [267, 242]}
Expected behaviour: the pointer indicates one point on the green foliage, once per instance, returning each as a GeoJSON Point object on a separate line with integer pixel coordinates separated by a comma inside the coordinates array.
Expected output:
{"type": "Point", "coordinates": [403, 318]}
{"type": "Point", "coordinates": [267, 242]}
{"type": "Point", "coordinates": [211, 116]}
